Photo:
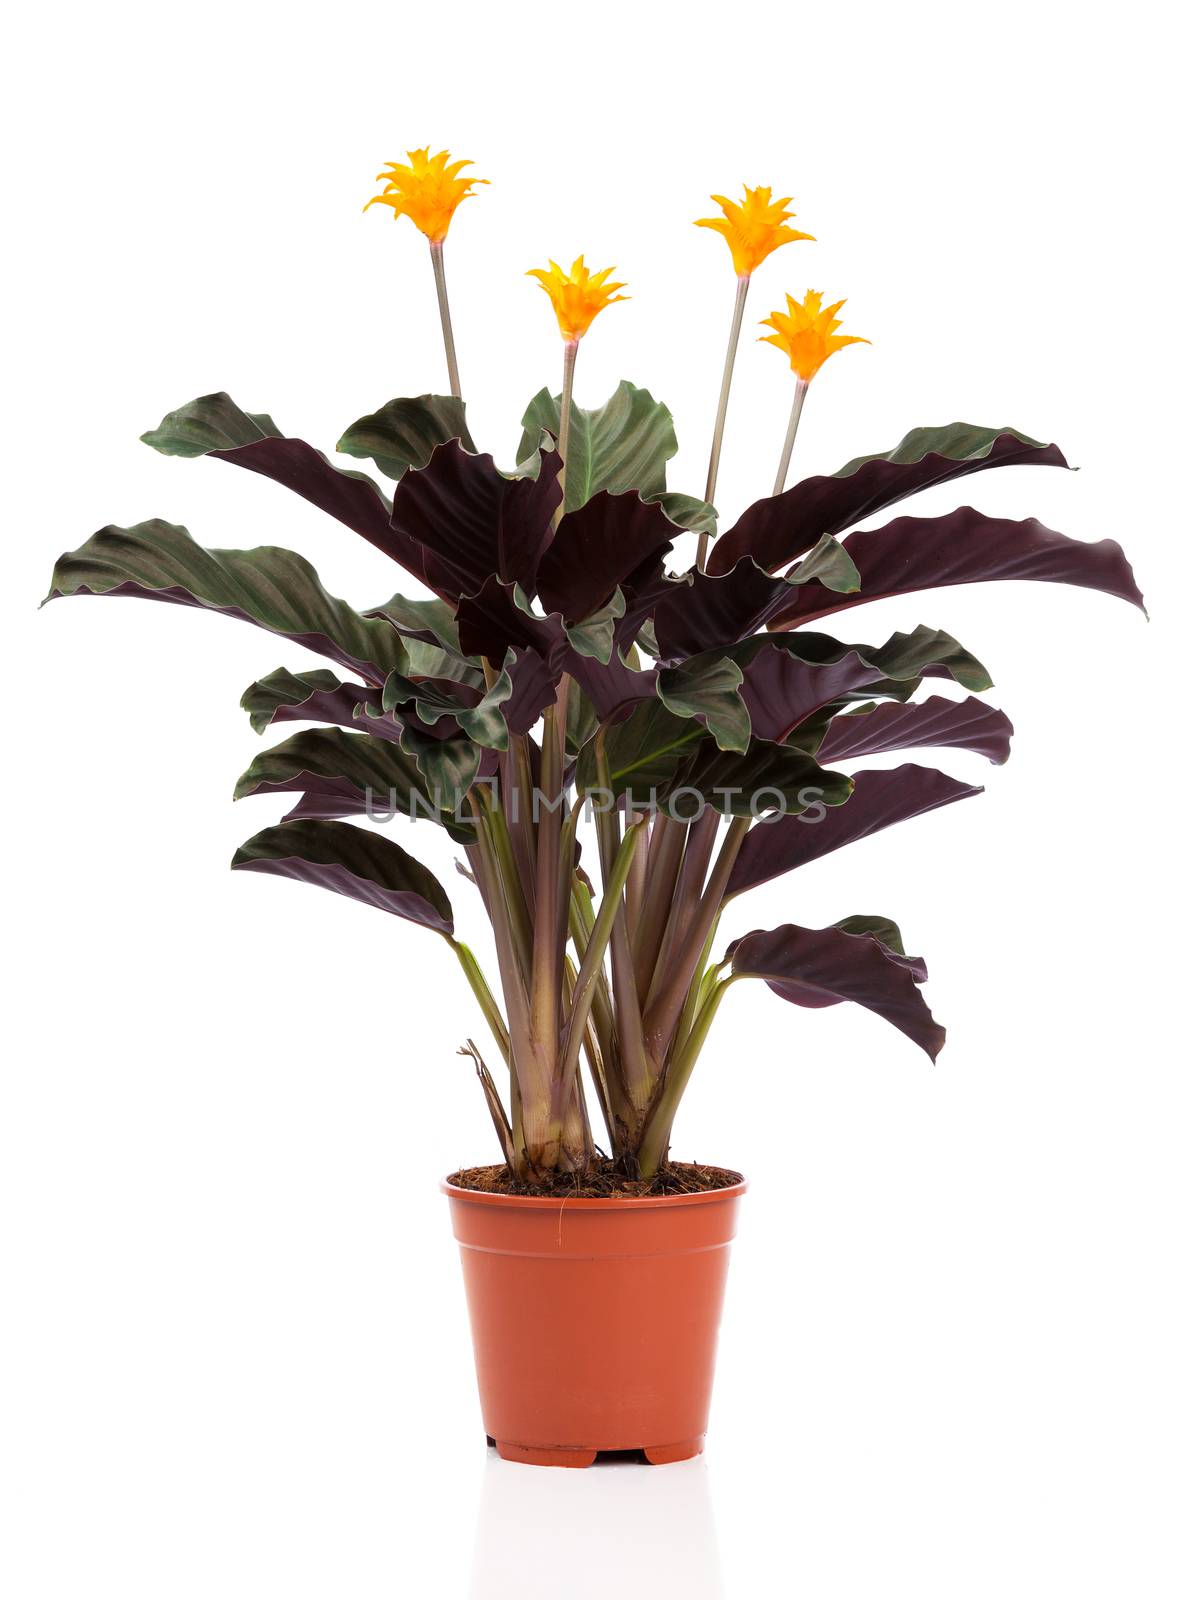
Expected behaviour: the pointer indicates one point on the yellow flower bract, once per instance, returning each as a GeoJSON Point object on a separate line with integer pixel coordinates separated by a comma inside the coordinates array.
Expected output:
{"type": "Point", "coordinates": [427, 188]}
{"type": "Point", "coordinates": [753, 227]}
{"type": "Point", "coordinates": [807, 334]}
{"type": "Point", "coordinates": [577, 296]}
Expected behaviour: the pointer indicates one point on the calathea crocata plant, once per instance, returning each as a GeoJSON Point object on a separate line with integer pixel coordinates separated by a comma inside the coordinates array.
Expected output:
{"type": "Point", "coordinates": [559, 672]}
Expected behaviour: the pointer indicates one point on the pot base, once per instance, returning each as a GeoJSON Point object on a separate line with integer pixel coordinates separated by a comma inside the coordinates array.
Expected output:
{"type": "Point", "coordinates": [657, 1455]}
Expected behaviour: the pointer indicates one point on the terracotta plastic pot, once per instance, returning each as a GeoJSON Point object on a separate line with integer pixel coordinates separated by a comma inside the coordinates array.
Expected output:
{"type": "Point", "coordinates": [594, 1321]}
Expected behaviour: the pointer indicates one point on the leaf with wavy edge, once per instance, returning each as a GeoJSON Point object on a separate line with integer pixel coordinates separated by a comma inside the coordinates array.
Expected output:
{"type": "Point", "coordinates": [595, 636]}
{"type": "Point", "coordinates": [463, 512]}
{"type": "Point", "coordinates": [350, 497]}
{"type": "Point", "coordinates": [353, 862]}
{"type": "Point", "coordinates": [431, 621]}
{"type": "Point", "coordinates": [952, 724]}
{"type": "Point", "coordinates": [789, 678]}
{"type": "Point", "coordinates": [709, 691]}
{"type": "Point", "coordinates": [274, 588]}
{"type": "Point", "coordinates": [774, 530]}
{"type": "Point", "coordinates": [403, 433]}
{"type": "Point", "coordinates": [479, 716]}
{"type": "Point", "coordinates": [823, 966]}
{"type": "Point", "coordinates": [879, 799]}
{"type": "Point", "coordinates": [625, 444]}
{"type": "Point", "coordinates": [315, 696]}
{"type": "Point", "coordinates": [613, 540]}
{"type": "Point", "coordinates": [764, 778]}
{"type": "Point", "coordinates": [347, 775]}
{"type": "Point", "coordinates": [710, 612]}
{"type": "Point", "coordinates": [914, 553]}
{"type": "Point", "coordinates": [888, 934]}
{"type": "Point", "coordinates": [211, 422]}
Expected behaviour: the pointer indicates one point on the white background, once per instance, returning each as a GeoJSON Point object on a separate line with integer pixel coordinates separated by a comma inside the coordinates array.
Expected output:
{"type": "Point", "coordinates": [235, 1360]}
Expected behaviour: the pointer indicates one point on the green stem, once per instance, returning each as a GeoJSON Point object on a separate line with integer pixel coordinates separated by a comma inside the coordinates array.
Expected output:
{"type": "Point", "coordinates": [477, 982]}
{"type": "Point", "coordinates": [507, 877]}
{"type": "Point", "coordinates": [441, 291]}
{"type": "Point", "coordinates": [656, 1140]}
{"type": "Point", "coordinates": [700, 986]}
{"type": "Point", "coordinates": [786, 454]}
{"type": "Point", "coordinates": [741, 294]}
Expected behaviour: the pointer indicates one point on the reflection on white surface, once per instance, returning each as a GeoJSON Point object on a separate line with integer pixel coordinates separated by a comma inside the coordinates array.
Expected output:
{"type": "Point", "coordinates": [544, 1531]}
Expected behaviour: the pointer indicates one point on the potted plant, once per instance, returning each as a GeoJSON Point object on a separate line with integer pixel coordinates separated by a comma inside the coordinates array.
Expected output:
{"type": "Point", "coordinates": [621, 744]}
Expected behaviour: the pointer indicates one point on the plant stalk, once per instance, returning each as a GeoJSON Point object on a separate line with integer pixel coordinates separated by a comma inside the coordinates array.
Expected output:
{"type": "Point", "coordinates": [741, 295]}
{"type": "Point", "coordinates": [786, 454]}
{"type": "Point", "coordinates": [662, 1014]}
{"type": "Point", "coordinates": [656, 1139]}
{"type": "Point", "coordinates": [597, 948]}
{"type": "Point", "coordinates": [441, 291]}
{"type": "Point", "coordinates": [570, 351]}
{"type": "Point", "coordinates": [471, 968]}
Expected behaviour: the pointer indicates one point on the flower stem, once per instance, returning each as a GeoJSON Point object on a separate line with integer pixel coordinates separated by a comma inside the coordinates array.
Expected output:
{"type": "Point", "coordinates": [570, 351]}
{"type": "Point", "coordinates": [441, 289]}
{"type": "Point", "coordinates": [786, 454]}
{"type": "Point", "coordinates": [741, 294]}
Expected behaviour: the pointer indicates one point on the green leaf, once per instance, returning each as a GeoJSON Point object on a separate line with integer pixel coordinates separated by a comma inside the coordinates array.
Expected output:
{"type": "Point", "coordinates": [708, 689]}
{"type": "Point", "coordinates": [766, 778]}
{"type": "Point", "coordinates": [282, 688]}
{"type": "Point", "coordinates": [330, 765]}
{"type": "Point", "coordinates": [643, 753]}
{"type": "Point", "coordinates": [274, 588]}
{"type": "Point", "coordinates": [955, 441]}
{"type": "Point", "coordinates": [883, 929]}
{"type": "Point", "coordinates": [354, 862]}
{"type": "Point", "coordinates": [211, 422]}
{"type": "Point", "coordinates": [625, 444]}
{"type": "Point", "coordinates": [403, 433]}
{"type": "Point", "coordinates": [435, 618]}
{"type": "Point", "coordinates": [596, 635]}
{"type": "Point", "coordinates": [432, 701]}
{"type": "Point", "coordinates": [449, 766]}
{"type": "Point", "coordinates": [688, 513]}
{"type": "Point", "coordinates": [828, 564]}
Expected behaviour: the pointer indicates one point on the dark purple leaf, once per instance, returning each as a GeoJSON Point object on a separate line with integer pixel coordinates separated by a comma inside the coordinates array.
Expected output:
{"type": "Point", "coordinates": [822, 966]}
{"type": "Point", "coordinates": [783, 687]}
{"type": "Point", "coordinates": [615, 540]}
{"type": "Point", "coordinates": [879, 800]}
{"type": "Point", "coordinates": [475, 521]}
{"type": "Point", "coordinates": [710, 612]}
{"type": "Point", "coordinates": [351, 497]}
{"type": "Point", "coordinates": [315, 696]}
{"type": "Point", "coordinates": [775, 530]}
{"type": "Point", "coordinates": [915, 553]}
{"type": "Point", "coordinates": [954, 724]}
{"type": "Point", "coordinates": [350, 861]}
{"type": "Point", "coordinates": [490, 622]}
{"type": "Point", "coordinates": [534, 688]}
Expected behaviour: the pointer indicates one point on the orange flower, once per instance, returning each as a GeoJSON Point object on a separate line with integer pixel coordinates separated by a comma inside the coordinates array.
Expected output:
{"type": "Point", "coordinates": [753, 227]}
{"type": "Point", "coordinates": [428, 191]}
{"type": "Point", "coordinates": [578, 296]}
{"type": "Point", "coordinates": [807, 334]}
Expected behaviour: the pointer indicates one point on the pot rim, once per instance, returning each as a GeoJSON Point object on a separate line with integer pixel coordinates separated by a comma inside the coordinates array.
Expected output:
{"type": "Point", "coordinates": [648, 1202]}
